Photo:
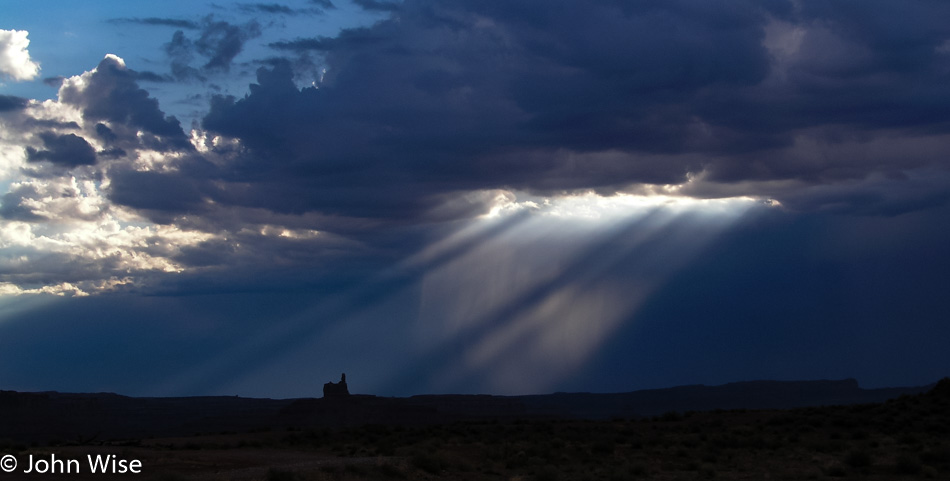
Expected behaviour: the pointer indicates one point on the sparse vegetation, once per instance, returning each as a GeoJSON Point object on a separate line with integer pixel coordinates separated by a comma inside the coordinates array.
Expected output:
{"type": "Point", "coordinates": [901, 439]}
{"type": "Point", "coordinates": [274, 474]}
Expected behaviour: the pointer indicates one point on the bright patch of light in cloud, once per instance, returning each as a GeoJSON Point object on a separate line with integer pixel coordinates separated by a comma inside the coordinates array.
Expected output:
{"type": "Point", "coordinates": [590, 205]}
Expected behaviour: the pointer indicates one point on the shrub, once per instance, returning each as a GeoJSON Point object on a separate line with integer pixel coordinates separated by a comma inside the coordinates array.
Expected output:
{"type": "Point", "coordinates": [907, 464]}
{"type": "Point", "coordinates": [936, 456]}
{"type": "Point", "coordinates": [428, 463]}
{"type": "Point", "coordinates": [274, 474]}
{"type": "Point", "coordinates": [836, 471]}
{"type": "Point", "coordinates": [858, 459]}
{"type": "Point", "coordinates": [390, 471]}
{"type": "Point", "coordinates": [671, 416]}
{"type": "Point", "coordinates": [547, 473]}
{"type": "Point", "coordinates": [638, 470]}
{"type": "Point", "coordinates": [169, 477]}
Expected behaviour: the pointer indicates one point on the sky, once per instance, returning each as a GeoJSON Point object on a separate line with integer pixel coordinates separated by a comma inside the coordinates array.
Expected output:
{"type": "Point", "coordinates": [469, 196]}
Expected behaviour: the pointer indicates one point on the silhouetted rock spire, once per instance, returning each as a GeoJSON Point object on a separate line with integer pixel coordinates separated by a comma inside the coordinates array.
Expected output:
{"type": "Point", "coordinates": [331, 389]}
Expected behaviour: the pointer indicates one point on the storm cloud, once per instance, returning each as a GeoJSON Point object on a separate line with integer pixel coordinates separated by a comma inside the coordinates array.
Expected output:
{"type": "Point", "coordinates": [450, 97]}
{"type": "Point", "coordinates": [69, 150]}
{"type": "Point", "coordinates": [444, 109]}
{"type": "Point", "coordinates": [111, 93]}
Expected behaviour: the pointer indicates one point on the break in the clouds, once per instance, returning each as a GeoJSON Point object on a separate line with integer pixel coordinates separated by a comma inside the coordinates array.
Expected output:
{"type": "Point", "coordinates": [15, 61]}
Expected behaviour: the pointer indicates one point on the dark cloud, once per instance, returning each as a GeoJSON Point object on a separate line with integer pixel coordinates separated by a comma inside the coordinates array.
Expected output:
{"type": "Point", "coordinates": [304, 44]}
{"type": "Point", "coordinates": [377, 5]}
{"type": "Point", "coordinates": [69, 150]}
{"type": "Point", "coordinates": [32, 123]}
{"type": "Point", "coordinates": [274, 8]}
{"type": "Point", "coordinates": [12, 208]}
{"type": "Point", "coordinates": [152, 190]}
{"type": "Point", "coordinates": [147, 76]}
{"type": "Point", "coordinates": [503, 101]}
{"type": "Point", "coordinates": [105, 133]}
{"type": "Point", "coordinates": [54, 81]}
{"type": "Point", "coordinates": [113, 153]}
{"type": "Point", "coordinates": [111, 94]}
{"type": "Point", "coordinates": [221, 41]}
{"type": "Point", "coordinates": [180, 51]}
{"type": "Point", "coordinates": [10, 103]}
{"type": "Point", "coordinates": [164, 22]}
{"type": "Point", "coordinates": [320, 7]}
{"type": "Point", "coordinates": [453, 97]}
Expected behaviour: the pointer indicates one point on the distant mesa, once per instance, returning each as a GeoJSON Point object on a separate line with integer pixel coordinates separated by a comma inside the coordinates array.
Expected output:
{"type": "Point", "coordinates": [336, 389]}
{"type": "Point", "coordinates": [942, 389]}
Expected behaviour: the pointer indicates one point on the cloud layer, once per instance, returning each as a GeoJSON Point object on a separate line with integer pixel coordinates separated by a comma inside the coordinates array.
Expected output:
{"type": "Point", "coordinates": [447, 110]}
{"type": "Point", "coordinates": [773, 99]}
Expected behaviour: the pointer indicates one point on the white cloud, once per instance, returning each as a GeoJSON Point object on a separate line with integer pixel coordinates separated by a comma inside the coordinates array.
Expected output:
{"type": "Point", "coordinates": [15, 61]}
{"type": "Point", "coordinates": [61, 233]}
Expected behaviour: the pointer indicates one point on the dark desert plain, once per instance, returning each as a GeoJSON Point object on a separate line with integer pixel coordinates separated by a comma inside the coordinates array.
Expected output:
{"type": "Point", "coordinates": [834, 434]}
{"type": "Point", "coordinates": [544, 239]}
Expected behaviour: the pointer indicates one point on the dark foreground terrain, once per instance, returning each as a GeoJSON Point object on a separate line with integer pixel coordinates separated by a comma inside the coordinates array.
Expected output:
{"type": "Point", "coordinates": [903, 438]}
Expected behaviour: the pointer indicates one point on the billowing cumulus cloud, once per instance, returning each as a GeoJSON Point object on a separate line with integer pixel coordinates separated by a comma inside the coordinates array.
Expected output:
{"type": "Point", "coordinates": [110, 93]}
{"type": "Point", "coordinates": [61, 232]}
{"type": "Point", "coordinates": [106, 192]}
{"type": "Point", "coordinates": [15, 61]}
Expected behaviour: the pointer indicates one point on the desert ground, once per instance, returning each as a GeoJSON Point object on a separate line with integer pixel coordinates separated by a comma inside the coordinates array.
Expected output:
{"type": "Point", "coordinates": [903, 438]}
